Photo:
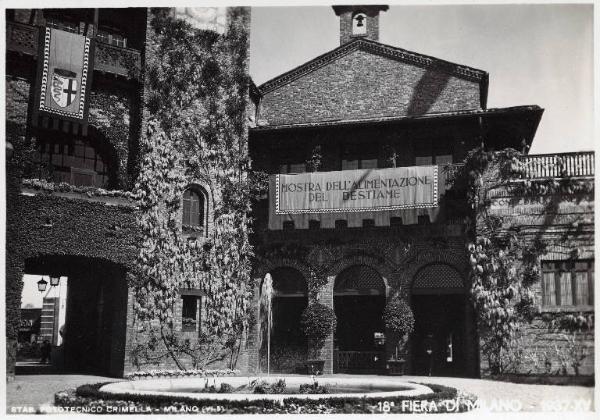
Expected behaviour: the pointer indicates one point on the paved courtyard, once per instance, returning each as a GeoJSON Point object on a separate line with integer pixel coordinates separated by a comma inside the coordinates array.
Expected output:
{"type": "Point", "coordinates": [31, 391]}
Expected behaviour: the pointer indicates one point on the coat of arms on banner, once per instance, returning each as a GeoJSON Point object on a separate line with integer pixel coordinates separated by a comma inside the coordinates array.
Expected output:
{"type": "Point", "coordinates": [64, 87]}
{"type": "Point", "coordinates": [64, 76]}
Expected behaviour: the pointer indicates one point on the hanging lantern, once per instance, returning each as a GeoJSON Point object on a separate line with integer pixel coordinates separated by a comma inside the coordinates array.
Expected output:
{"type": "Point", "coordinates": [54, 280]}
{"type": "Point", "coordinates": [42, 284]}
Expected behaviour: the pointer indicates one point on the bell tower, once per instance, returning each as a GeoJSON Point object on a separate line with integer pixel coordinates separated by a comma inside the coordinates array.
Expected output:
{"type": "Point", "coordinates": [359, 22]}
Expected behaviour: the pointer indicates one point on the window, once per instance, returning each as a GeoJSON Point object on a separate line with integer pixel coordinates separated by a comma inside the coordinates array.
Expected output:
{"type": "Point", "coordinates": [341, 224]}
{"type": "Point", "coordinates": [431, 160]}
{"type": "Point", "coordinates": [349, 164]}
{"type": "Point", "coordinates": [396, 221]}
{"type": "Point", "coordinates": [73, 161]}
{"type": "Point", "coordinates": [423, 161]}
{"type": "Point", "coordinates": [55, 23]}
{"type": "Point", "coordinates": [193, 210]}
{"type": "Point", "coordinates": [110, 37]}
{"type": "Point", "coordinates": [368, 223]}
{"type": "Point", "coordinates": [359, 24]}
{"type": "Point", "coordinates": [567, 283]}
{"type": "Point", "coordinates": [292, 168]}
{"type": "Point", "coordinates": [190, 313]}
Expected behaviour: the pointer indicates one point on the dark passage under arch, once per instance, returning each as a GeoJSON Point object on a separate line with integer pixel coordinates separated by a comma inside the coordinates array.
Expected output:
{"type": "Point", "coordinates": [288, 344]}
{"type": "Point", "coordinates": [358, 300]}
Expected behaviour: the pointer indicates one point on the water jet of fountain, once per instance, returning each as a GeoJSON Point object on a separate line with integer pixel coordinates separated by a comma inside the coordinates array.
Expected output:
{"type": "Point", "coordinates": [266, 298]}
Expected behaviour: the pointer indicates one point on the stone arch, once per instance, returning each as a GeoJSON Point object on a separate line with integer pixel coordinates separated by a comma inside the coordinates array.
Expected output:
{"type": "Point", "coordinates": [438, 275]}
{"type": "Point", "coordinates": [371, 282]}
{"type": "Point", "coordinates": [87, 327]}
{"type": "Point", "coordinates": [407, 275]}
{"type": "Point", "coordinates": [438, 294]}
{"type": "Point", "coordinates": [289, 282]}
{"type": "Point", "coordinates": [288, 346]}
{"type": "Point", "coordinates": [267, 266]}
{"type": "Point", "coordinates": [380, 266]}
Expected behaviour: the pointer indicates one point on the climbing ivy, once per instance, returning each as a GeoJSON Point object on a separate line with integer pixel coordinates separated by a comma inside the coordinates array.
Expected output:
{"type": "Point", "coordinates": [504, 262]}
{"type": "Point", "coordinates": [196, 85]}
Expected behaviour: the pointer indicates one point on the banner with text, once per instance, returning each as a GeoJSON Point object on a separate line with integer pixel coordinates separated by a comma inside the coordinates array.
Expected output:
{"type": "Point", "coordinates": [357, 190]}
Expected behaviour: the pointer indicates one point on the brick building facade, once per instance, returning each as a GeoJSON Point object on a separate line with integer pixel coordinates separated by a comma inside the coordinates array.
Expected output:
{"type": "Point", "coordinates": [367, 105]}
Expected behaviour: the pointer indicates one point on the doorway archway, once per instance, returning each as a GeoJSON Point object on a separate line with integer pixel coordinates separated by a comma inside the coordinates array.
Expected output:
{"type": "Point", "coordinates": [85, 323]}
{"type": "Point", "coordinates": [441, 341]}
{"type": "Point", "coordinates": [359, 300]}
{"type": "Point", "coordinates": [288, 345]}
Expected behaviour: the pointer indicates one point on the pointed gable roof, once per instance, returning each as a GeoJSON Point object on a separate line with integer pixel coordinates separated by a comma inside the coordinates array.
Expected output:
{"type": "Point", "coordinates": [374, 47]}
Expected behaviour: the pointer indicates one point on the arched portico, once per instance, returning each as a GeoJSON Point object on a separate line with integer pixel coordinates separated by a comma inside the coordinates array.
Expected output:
{"type": "Point", "coordinates": [288, 344]}
{"type": "Point", "coordinates": [442, 340]}
{"type": "Point", "coordinates": [359, 299]}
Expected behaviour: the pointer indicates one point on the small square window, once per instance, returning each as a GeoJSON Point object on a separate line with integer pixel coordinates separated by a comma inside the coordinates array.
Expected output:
{"type": "Point", "coordinates": [341, 224]}
{"type": "Point", "coordinates": [423, 161]}
{"type": "Point", "coordinates": [368, 223]}
{"type": "Point", "coordinates": [190, 313]}
{"type": "Point", "coordinates": [396, 221]}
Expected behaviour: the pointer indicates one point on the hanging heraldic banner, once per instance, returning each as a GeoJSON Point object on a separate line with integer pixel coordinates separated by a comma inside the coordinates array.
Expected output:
{"type": "Point", "coordinates": [64, 78]}
{"type": "Point", "coordinates": [365, 190]}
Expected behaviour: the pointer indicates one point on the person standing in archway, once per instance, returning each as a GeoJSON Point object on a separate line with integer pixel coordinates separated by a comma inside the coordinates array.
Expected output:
{"type": "Point", "coordinates": [46, 350]}
{"type": "Point", "coordinates": [428, 345]}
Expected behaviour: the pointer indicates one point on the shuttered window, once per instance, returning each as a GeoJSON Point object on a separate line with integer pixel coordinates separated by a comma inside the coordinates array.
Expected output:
{"type": "Point", "coordinates": [567, 283]}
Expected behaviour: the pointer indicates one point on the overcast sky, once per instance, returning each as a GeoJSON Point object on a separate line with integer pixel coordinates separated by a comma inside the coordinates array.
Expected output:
{"type": "Point", "coordinates": [535, 54]}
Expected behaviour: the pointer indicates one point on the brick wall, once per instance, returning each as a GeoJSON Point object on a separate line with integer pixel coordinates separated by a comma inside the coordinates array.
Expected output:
{"type": "Point", "coordinates": [361, 84]}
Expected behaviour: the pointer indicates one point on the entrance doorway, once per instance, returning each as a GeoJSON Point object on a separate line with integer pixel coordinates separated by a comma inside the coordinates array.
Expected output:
{"type": "Point", "coordinates": [83, 317]}
{"type": "Point", "coordinates": [441, 341]}
{"type": "Point", "coordinates": [289, 348]}
{"type": "Point", "coordinates": [359, 300]}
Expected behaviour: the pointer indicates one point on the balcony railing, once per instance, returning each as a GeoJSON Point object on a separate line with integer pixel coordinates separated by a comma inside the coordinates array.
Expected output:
{"type": "Point", "coordinates": [125, 62]}
{"type": "Point", "coordinates": [21, 38]}
{"type": "Point", "coordinates": [559, 165]}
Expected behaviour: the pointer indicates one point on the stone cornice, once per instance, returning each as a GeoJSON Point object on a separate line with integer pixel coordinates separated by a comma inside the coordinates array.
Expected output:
{"type": "Point", "coordinates": [377, 48]}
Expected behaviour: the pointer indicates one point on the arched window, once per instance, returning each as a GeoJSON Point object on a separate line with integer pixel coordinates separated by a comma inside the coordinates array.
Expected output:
{"type": "Point", "coordinates": [193, 209]}
{"type": "Point", "coordinates": [359, 23]}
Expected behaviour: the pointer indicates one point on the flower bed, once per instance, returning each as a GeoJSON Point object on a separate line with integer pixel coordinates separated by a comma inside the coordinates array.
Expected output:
{"type": "Point", "coordinates": [90, 396]}
{"type": "Point", "coordinates": [174, 373]}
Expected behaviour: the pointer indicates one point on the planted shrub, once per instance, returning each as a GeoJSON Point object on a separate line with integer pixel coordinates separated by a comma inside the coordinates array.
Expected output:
{"type": "Point", "coordinates": [398, 317]}
{"type": "Point", "coordinates": [317, 322]}
{"type": "Point", "coordinates": [314, 388]}
{"type": "Point", "coordinates": [264, 387]}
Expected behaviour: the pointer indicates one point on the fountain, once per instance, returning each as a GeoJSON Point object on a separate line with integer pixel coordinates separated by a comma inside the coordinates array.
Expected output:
{"type": "Point", "coordinates": [240, 388]}
{"type": "Point", "coordinates": [266, 298]}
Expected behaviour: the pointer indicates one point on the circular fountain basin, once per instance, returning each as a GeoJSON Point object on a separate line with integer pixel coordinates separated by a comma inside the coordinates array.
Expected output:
{"type": "Point", "coordinates": [340, 387]}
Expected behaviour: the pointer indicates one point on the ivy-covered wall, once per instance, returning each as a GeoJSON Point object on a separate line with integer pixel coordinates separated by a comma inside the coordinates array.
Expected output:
{"type": "Point", "coordinates": [193, 133]}
{"type": "Point", "coordinates": [46, 229]}
{"type": "Point", "coordinates": [552, 220]}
